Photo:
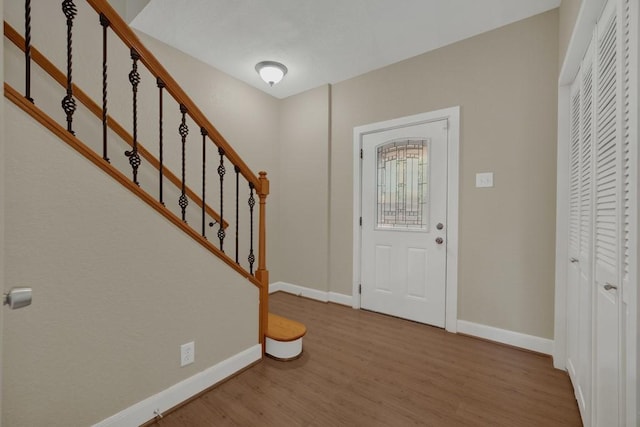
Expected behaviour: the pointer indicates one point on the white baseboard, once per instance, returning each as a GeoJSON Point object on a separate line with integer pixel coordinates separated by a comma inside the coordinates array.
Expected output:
{"type": "Point", "coordinates": [145, 410]}
{"type": "Point", "coordinates": [516, 339]}
{"type": "Point", "coordinates": [311, 293]}
{"type": "Point", "coordinates": [341, 298]}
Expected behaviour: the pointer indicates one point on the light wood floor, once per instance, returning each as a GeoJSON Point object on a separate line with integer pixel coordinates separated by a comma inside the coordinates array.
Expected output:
{"type": "Point", "coordinates": [365, 369]}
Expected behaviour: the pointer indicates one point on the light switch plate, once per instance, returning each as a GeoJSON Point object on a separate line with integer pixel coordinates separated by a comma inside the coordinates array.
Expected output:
{"type": "Point", "coordinates": [484, 179]}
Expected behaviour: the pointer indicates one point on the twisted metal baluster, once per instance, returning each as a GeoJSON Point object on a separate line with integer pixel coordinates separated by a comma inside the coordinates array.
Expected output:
{"type": "Point", "coordinates": [105, 24]}
{"type": "Point", "coordinates": [237, 170]}
{"type": "Point", "coordinates": [252, 202]}
{"type": "Point", "coordinates": [183, 130]}
{"type": "Point", "coordinates": [27, 49]}
{"type": "Point", "coordinates": [161, 86]}
{"type": "Point", "coordinates": [134, 79]}
{"type": "Point", "coordinates": [68, 102]}
{"type": "Point", "coordinates": [204, 134]}
{"type": "Point", "coordinates": [221, 172]}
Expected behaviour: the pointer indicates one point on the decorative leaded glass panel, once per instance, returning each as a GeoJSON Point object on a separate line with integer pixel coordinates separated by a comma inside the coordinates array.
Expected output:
{"type": "Point", "coordinates": [403, 171]}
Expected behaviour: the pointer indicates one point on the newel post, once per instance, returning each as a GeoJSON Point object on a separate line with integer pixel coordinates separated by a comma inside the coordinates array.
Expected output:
{"type": "Point", "coordinates": [262, 274]}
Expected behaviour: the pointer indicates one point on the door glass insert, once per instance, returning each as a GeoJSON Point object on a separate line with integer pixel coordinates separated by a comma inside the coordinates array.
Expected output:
{"type": "Point", "coordinates": [402, 183]}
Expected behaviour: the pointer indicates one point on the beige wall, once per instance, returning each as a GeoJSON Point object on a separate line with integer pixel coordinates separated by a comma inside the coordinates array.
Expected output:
{"type": "Point", "coordinates": [505, 83]}
{"type": "Point", "coordinates": [128, 9]}
{"type": "Point", "coordinates": [114, 295]}
{"type": "Point", "coordinates": [246, 117]}
{"type": "Point", "coordinates": [304, 189]}
{"type": "Point", "coordinates": [568, 15]}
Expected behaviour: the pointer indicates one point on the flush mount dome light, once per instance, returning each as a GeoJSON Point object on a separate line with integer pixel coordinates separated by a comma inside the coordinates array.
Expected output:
{"type": "Point", "coordinates": [271, 72]}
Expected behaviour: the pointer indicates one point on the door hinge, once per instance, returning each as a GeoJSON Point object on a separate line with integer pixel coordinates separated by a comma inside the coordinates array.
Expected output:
{"type": "Point", "coordinates": [360, 221]}
{"type": "Point", "coordinates": [361, 153]}
{"type": "Point", "coordinates": [360, 288]}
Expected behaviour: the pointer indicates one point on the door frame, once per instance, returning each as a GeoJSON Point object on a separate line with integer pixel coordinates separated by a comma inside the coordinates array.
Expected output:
{"type": "Point", "coordinates": [452, 115]}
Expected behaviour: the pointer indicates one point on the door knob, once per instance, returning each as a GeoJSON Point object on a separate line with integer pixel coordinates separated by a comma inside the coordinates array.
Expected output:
{"type": "Point", "coordinates": [573, 260]}
{"type": "Point", "coordinates": [439, 240]}
{"type": "Point", "coordinates": [440, 226]}
{"type": "Point", "coordinates": [609, 286]}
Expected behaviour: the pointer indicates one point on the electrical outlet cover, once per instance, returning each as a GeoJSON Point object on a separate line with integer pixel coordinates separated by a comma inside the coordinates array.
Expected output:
{"type": "Point", "coordinates": [187, 353]}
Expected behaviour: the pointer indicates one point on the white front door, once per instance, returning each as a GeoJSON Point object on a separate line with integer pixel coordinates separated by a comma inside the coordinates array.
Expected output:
{"type": "Point", "coordinates": [404, 230]}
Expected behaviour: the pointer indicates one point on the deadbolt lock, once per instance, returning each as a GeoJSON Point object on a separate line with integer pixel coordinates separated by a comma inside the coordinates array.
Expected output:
{"type": "Point", "coordinates": [440, 226]}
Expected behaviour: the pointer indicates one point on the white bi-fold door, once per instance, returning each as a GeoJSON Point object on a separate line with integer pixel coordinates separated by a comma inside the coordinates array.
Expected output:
{"type": "Point", "coordinates": [602, 235]}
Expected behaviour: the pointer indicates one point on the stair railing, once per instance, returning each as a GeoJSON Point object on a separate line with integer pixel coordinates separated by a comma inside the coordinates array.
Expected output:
{"type": "Point", "coordinates": [226, 158]}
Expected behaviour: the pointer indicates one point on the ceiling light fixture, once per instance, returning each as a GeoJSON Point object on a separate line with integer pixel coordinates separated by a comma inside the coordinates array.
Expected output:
{"type": "Point", "coordinates": [271, 72]}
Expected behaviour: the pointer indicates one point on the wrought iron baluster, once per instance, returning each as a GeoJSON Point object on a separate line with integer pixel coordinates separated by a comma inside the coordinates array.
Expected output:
{"type": "Point", "coordinates": [161, 86]}
{"type": "Point", "coordinates": [237, 170]}
{"type": "Point", "coordinates": [134, 79]}
{"type": "Point", "coordinates": [183, 130]}
{"type": "Point", "coordinates": [221, 172]}
{"type": "Point", "coordinates": [252, 202]}
{"type": "Point", "coordinates": [27, 49]}
{"type": "Point", "coordinates": [204, 134]}
{"type": "Point", "coordinates": [105, 24]}
{"type": "Point", "coordinates": [68, 102]}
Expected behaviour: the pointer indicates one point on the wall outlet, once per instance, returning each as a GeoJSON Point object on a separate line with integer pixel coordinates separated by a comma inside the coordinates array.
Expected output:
{"type": "Point", "coordinates": [187, 353]}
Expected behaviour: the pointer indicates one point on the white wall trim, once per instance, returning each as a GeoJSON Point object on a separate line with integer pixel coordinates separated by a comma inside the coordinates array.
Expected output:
{"type": "Point", "coordinates": [453, 166]}
{"type": "Point", "coordinates": [516, 339]}
{"type": "Point", "coordinates": [315, 294]}
{"type": "Point", "coordinates": [143, 411]}
{"type": "Point", "coordinates": [341, 299]}
{"type": "Point", "coordinates": [562, 230]}
{"type": "Point", "coordinates": [580, 39]}
{"type": "Point", "coordinates": [632, 324]}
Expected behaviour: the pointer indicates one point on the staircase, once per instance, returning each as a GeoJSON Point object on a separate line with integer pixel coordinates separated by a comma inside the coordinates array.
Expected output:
{"type": "Point", "coordinates": [223, 208]}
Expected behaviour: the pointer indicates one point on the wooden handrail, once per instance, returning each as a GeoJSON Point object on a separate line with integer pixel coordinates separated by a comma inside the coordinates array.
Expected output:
{"type": "Point", "coordinates": [94, 108]}
{"type": "Point", "coordinates": [14, 96]}
{"type": "Point", "coordinates": [131, 40]}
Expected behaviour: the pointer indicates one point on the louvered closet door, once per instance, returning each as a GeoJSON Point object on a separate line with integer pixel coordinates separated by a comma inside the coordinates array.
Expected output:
{"type": "Point", "coordinates": [607, 218]}
{"type": "Point", "coordinates": [585, 276]}
{"type": "Point", "coordinates": [574, 234]}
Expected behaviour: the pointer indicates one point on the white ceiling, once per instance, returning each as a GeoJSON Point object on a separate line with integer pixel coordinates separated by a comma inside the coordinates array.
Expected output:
{"type": "Point", "coordinates": [321, 41]}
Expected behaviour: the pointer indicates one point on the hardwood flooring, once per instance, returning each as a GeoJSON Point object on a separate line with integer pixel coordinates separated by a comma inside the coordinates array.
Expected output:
{"type": "Point", "coordinates": [365, 369]}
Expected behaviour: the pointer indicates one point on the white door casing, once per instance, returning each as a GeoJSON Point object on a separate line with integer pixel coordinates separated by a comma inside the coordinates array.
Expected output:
{"type": "Point", "coordinates": [404, 182]}
{"type": "Point", "coordinates": [630, 163]}
{"type": "Point", "coordinates": [452, 116]}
